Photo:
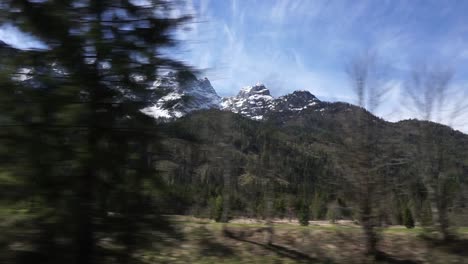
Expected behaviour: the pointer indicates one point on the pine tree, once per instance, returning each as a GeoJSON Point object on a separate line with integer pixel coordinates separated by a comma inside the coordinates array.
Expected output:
{"type": "Point", "coordinates": [218, 208]}
{"type": "Point", "coordinates": [81, 143]}
{"type": "Point", "coordinates": [304, 214]}
{"type": "Point", "coordinates": [317, 206]}
{"type": "Point", "coordinates": [408, 220]}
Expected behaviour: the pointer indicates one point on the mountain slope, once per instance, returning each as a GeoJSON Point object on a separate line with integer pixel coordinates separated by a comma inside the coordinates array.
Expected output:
{"type": "Point", "coordinates": [309, 150]}
{"type": "Point", "coordinates": [182, 94]}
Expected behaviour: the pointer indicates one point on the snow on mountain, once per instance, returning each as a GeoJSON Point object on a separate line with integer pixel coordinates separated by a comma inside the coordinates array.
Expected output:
{"type": "Point", "coordinates": [182, 94]}
{"type": "Point", "coordinates": [252, 101]}
{"type": "Point", "coordinates": [255, 102]}
{"type": "Point", "coordinates": [296, 101]}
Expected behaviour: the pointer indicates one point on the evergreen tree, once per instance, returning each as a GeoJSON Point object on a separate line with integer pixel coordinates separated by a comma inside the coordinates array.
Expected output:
{"type": "Point", "coordinates": [408, 220]}
{"type": "Point", "coordinates": [73, 127]}
{"type": "Point", "coordinates": [304, 214]}
{"type": "Point", "coordinates": [218, 208]}
{"type": "Point", "coordinates": [317, 206]}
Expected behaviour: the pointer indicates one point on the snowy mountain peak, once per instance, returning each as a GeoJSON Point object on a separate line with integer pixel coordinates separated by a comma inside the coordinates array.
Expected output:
{"type": "Point", "coordinates": [296, 101]}
{"type": "Point", "coordinates": [304, 94]}
{"type": "Point", "coordinates": [258, 89]}
{"type": "Point", "coordinates": [300, 97]}
{"type": "Point", "coordinates": [251, 101]}
{"type": "Point", "coordinates": [183, 93]}
{"type": "Point", "coordinates": [256, 102]}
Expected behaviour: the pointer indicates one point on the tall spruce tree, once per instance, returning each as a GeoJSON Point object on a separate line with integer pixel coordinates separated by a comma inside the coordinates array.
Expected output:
{"type": "Point", "coordinates": [72, 128]}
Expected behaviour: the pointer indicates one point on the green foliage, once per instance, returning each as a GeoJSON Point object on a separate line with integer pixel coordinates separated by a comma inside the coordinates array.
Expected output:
{"type": "Point", "coordinates": [280, 207]}
{"type": "Point", "coordinates": [318, 206]}
{"type": "Point", "coordinates": [303, 216]}
{"type": "Point", "coordinates": [286, 157]}
{"type": "Point", "coordinates": [218, 208]}
{"type": "Point", "coordinates": [408, 220]}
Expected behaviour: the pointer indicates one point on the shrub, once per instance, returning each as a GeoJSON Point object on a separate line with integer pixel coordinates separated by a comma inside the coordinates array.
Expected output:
{"type": "Point", "coordinates": [304, 214]}
{"type": "Point", "coordinates": [408, 220]}
{"type": "Point", "coordinates": [218, 208]}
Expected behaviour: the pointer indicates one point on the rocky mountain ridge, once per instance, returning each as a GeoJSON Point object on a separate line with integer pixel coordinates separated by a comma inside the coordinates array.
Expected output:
{"type": "Point", "coordinates": [184, 93]}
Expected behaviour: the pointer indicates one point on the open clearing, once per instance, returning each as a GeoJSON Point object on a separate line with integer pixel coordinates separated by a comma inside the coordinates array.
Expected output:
{"type": "Point", "coordinates": [203, 241]}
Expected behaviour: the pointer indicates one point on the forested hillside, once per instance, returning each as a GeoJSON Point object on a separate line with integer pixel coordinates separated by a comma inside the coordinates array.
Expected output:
{"type": "Point", "coordinates": [307, 158]}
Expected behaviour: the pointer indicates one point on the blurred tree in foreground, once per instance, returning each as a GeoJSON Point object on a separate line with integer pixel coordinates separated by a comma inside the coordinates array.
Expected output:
{"type": "Point", "coordinates": [369, 84]}
{"type": "Point", "coordinates": [74, 142]}
{"type": "Point", "coordinates": [429, 87]}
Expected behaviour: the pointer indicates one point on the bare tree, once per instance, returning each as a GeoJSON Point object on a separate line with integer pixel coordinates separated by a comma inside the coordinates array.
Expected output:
{"type": "Point", "coordinates": [369, 79]}
{"type": "Point", "coordinates": [429, 88]}
{"type": "Point", "coordinates": [369, 83]}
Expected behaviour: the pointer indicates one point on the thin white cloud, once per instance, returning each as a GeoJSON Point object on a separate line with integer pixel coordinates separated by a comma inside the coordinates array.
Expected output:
{"type": "Point", "coordinates": [304, 44]}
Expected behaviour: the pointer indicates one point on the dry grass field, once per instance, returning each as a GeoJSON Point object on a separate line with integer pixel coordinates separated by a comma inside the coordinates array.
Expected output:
{"type": "Point", "coordinates": [242, 241]}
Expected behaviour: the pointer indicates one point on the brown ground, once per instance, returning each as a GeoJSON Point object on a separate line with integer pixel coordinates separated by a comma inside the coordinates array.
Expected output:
{"type": "Point", "coordinates": [243, 241]}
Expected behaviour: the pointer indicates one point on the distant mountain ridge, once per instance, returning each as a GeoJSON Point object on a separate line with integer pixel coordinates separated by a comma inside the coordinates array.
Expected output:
{"type": "Point", "coordinates": [184, 93]}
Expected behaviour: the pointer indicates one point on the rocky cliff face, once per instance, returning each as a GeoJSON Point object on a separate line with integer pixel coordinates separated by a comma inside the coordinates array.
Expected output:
{"type": "Point", "coordinates": [182, 94]}
{"type": "Point", "coordinates": [256, 102]}
{"type": "Point", "coordinates": [251, 101]}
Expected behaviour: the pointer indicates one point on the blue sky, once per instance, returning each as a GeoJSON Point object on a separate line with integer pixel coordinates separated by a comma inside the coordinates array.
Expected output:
{"type": "Point", "coordinates": [304, 44]}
